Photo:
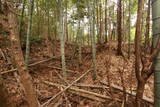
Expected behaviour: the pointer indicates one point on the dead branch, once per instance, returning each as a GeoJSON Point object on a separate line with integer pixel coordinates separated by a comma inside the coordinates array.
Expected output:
{"type": "Point", "coordinates": [61, 78]}
{"type": "Point", "coordinates": [2, 53]}
{"type": "Point", "coordinates": [45, 104]}
{"type": "Point", "coordinates": [91, 86]}
{"type": "Point", "coordinates": [151, 101]}
{"type": "Point", "coordinates": [58, 68]}
{"type": "Point", "coordinates": [83, 93]}
{"type": "Point", "coordinates": [33, 64]}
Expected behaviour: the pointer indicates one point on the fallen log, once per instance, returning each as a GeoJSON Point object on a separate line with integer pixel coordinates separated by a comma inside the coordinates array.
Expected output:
{"type": "Point", "coordinates": [65, 88]}
{"type": "Point", "coordinates": [150, 101]}
{"type": "Point", "coordinates": [30, 65]}
{"type": "Point", "coordinates": [83, 93]}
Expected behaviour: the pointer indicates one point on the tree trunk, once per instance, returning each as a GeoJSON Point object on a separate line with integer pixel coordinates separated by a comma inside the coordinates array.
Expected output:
{"type": "Point", "coordinates": [156, 38]}
{"type": "Point", "coordinates": [25, 78]}
{"type": "Point", "coordinates": [147, 43]}
{"type": "Point", "coordinates": [79, 35]}
{"type": "Point", "coordinates": [93, 40]}
{"type": "Point", "coordinates": [48, 35]}
{"type": "Point", "coordinates": [106, 21]}
{"type": "Point", "coordinates": [100, 22]}
{"type": "Point", "coordinates": [62, 41]}
{"type": "Point", "coordinates": [139, 94]}
{"type": "Point", "coordinates": [138, 71]}
{"type": "Point", "coordinates": [129, 29]}
{"type": "Point", "coordinates": [66, 21]}
{"type": "Point", "coordinates": [97, 21]}
{"type": "Point", "coordinates": [119, 29]}
{"type": "Point", "coordinates": [31, 7]}
{"type": "Point", "coordinates": [21, 20]}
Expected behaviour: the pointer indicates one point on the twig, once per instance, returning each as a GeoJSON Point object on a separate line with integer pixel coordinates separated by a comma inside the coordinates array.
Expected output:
{"type": "Point", "coordinates": [84, 93]}
{"type": "Point", "coordinates": [65, 88]}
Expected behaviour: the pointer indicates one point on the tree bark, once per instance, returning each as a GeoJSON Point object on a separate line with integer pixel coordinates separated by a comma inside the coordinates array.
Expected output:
{"type": "Point", "coordinates": [140, 79]}
{"type": "Point", "coordinates": [119, 27]}
{"type": "Point", "coordinates": [147, 42]}
{"type": "Point", "coordinates": [139, 94]}
{"type": "Point", "coordinates": [25, 78]}
{"type": "Point", "coordinates": [62, 41]}
{"type": "Point", "coordinates": [129, 29]}
{"type": "Point", "coordinates": [156, 38]}
{"type": "Point", "coordinates": [106, 21]}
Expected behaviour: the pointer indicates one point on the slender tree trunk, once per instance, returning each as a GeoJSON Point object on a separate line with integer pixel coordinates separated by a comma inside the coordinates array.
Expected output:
{"type": "Point", "coordinates": [79, 34]}
{"type": "Point", "coordinates": [106, 21]}
{"type": "Point", "coordinates": [25, 78]}
{"type": "Point", "coordinates": [129, 29]}
{"type": "Point", "coordinates": [140, 91]}
{"type": "Point", "coordinates": [119, 29]}
{"type": "Point", "coordinates": [79, 43]}
{"type": "Point", "coordinates": [66, 21]}
{"type": "Point", "coordinates": [29, 30]}
{"type": "Point", "coordinates": [147, 42]}
{"type": "Point", "coordinates": [62, 41]}
{"type": "Point", "coordinates": [138, 72]}
{"type": "Point", "coordinates": [97, 21]}
{"type": "Point", "coordinates": [89, 23]}
{"type": "Point", "coordinates": [100, 21]}
{"type": "Point", "coordinates": [39, 18]}
{"type": "Point", "coordinates": [48, 35]}
{"type": "Point", "coordinates": [93, 40]}
{"type": "Point", "coordinates": [21, 19]}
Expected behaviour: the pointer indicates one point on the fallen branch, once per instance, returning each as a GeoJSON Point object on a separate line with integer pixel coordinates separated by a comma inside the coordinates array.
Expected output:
{"type": "Point", "coordinates": [91, 86]}
{"type": "Point", "coordinates": [58, 68]}
{"type": "Point", "coordinates": [33, 64]}
{"type": "Point", "coordinates": [2, 54]}
{"type": "Point", "coordinates": [66, 88]}
{"type": "Point", "coordinates": [151, 101]}
{"type": "Point", "coordinates": [83, 93]}
{"type": "Point", "coordinates": [61, 78]}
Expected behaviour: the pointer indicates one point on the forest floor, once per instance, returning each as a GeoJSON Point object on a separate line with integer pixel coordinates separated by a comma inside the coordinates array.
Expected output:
{"type": "Point", "coordinates": [112, 71]}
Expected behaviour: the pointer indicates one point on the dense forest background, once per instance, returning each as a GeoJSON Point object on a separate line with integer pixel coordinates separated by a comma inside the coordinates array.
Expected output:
{"type": "Point", "coordinates": [79, 53]}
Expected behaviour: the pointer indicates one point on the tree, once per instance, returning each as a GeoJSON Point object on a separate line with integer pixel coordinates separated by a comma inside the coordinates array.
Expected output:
{"type": "Point", "coordinates": [147, 34]}
{"type": "Point", "coordinates": [79, 34]}
{"type": "Point", "coordinates": [156, 41]}
{"type": "Point", "coordinates": [25, 78]}
{"type": "Point", "coordinates": [93, 40]}
{"type": "Point", "coordinates": [61, 34]}
{"type": "Point", "coordinates": [140, 86]}
{"type": "Point", "coordinates": [21, 19]}
{"type": "Point", "coordinates": [106, 21]}
{"type": "Point", "coordinates": [129, 28]}
{"type": "Point", "coordinates": [29, 32]}
{"type": "Point", "coordinates": [119, 27]}
{"type": "Point", "coordinates": [48, 42]}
